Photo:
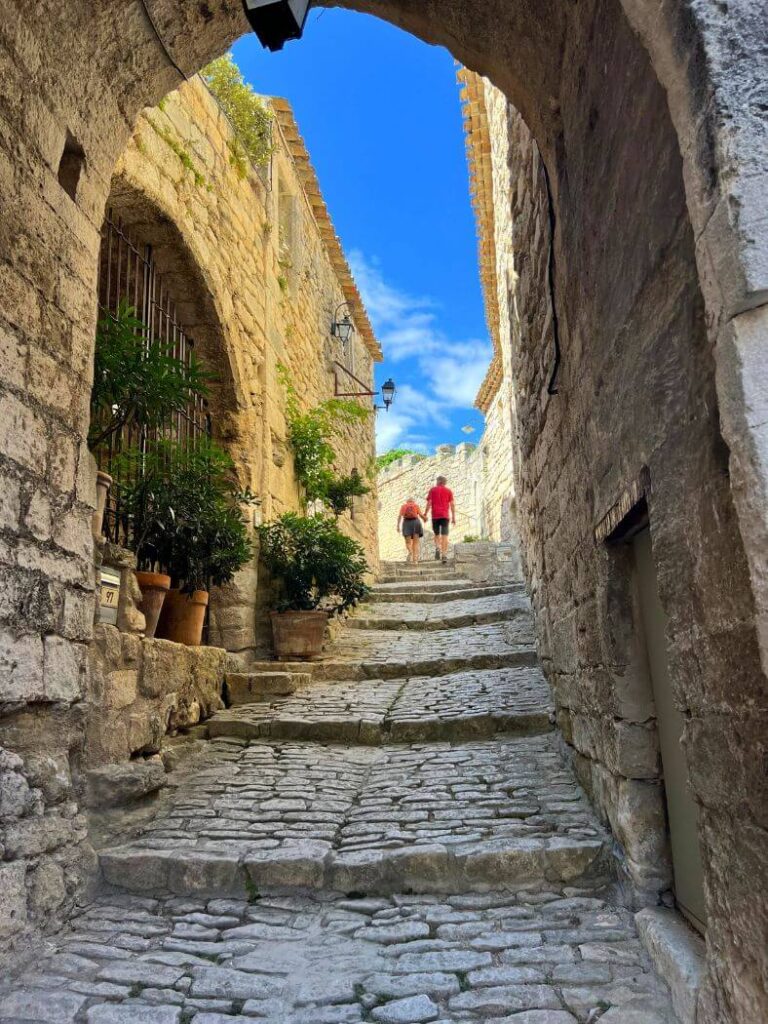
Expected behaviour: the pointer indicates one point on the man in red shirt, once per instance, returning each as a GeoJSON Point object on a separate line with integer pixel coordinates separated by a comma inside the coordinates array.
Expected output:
{"type": "Point", "coordinates": [440, 500]}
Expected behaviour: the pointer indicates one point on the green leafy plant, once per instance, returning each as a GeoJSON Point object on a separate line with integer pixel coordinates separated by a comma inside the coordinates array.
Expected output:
{"type": "Point", "coordinates": [137, 381]}
{"type": "Point", "coordinates": [317, 565]}
{"type": "Point", "coordinates": [185, 512]}
{"type": "Point", "coordinates": [382, 461]}
{"type": "Point", "coordinates": [250, 118]}
{"type": "Point", "coordinates": [341, 490]}
{"type": "Point", "coordinates": [314, 457]}
{"type": "Point", "coordinates": [470, 538]}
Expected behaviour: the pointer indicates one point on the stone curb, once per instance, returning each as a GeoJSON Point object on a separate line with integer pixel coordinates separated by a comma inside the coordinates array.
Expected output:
{"type": "Point", "coordinates": [411, 596]}
{"type": "Point", "coordinates": [351, 670]}
{"type": "Point", "coordinates": [374, 730]}
{"type": "Point", "coordinates": [314, 864]}
{"type": "Point", "coordinates": [448, 622]}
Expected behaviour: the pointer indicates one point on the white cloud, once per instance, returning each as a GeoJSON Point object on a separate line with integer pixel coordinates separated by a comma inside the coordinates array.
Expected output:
{"type": "Point", "coordinates": [404, 424]}
{"type": "Point", "coordinates": [449, 372]}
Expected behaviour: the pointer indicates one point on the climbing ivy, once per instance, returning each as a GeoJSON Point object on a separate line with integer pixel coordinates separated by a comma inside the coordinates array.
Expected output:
{"type": "Point", "coordinates": [248, 115]}
{"type": "Point", "coordinates": [314, 458]}
{"type": "Point", "coordinates": [176, 147]}
{"type": "Point", "coordinates": [382, 461]}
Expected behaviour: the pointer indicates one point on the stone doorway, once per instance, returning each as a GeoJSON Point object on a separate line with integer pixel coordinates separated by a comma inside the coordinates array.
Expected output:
{"type": "Point", "coordinates": [682, 811]}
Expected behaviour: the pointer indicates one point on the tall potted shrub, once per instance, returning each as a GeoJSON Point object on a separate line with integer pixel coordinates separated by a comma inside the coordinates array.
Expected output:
{"type": "Point", "coordinates": [137, 383]}
{"type": "Point", "coordinates": [319, 570]}
{"type": "Point", "coordinates": [187, 518]}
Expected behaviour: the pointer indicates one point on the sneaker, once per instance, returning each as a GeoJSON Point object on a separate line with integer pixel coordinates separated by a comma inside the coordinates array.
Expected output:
{"type": "Point", "coordinates": [437, 555]}
{"type": "Point", "coordinates": [445, 558]}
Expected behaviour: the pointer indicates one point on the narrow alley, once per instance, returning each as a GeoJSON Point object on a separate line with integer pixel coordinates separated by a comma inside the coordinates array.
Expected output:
{"type": "Point", "coordinates": [390, 835]}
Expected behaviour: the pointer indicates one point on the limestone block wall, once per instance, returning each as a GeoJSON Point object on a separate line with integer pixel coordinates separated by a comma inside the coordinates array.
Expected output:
{"type": "Point", "coordinates": [414, 475]}
{"type": "Point", "coordinates": [259, 284]}
{"type": "Point", "coordinates": [496, 470]}
{"type": "Point", "coordinates": [140, 689]}
{"type": "Point", "coordinates": [635, 416]}
{"type": "Point", "coordinates": [68, 703]}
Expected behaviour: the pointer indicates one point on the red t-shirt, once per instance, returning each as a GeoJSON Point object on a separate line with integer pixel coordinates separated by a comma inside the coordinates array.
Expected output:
{"type": "Point", "coordinates": [440, 498]}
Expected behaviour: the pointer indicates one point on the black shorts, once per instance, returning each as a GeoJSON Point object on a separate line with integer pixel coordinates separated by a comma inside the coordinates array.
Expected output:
{"type": "Point", "coordinates": [412, 528]}
{"type": "Point", "coordinates": [440, 526]}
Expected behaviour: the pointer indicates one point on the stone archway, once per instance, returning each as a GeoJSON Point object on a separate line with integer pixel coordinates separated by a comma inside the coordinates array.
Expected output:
{"type": "Point", "coordinates": [97, 68]}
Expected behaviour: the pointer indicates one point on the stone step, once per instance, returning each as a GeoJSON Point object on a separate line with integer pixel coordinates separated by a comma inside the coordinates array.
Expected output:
{"type": "Point", "coordinates": [407, 668]}
{"type": "Point", "coordinates": [427, 818]}
{"type": "Point", "coordinates": [428, 586]}
{"type": "Point", "coordinates": [246, 722]}
{"type": "Point", "coordinates": [416, 577]}
{"type": "Point", "coordinates": [461, 706]}
{"type": "Point", "coordinates": [246, 687]}
{"type": "Point", "coordinates": [445, 620]}
{"type": "Point", "coordinates": [434, 595]}
{"type": "Point", "coordinates": [237, 868]}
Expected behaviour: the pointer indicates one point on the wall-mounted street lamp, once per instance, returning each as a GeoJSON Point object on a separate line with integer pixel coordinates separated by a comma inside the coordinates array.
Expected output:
{"type": "Point", "coordinates": [343, 328]}
{"type": "Point", "coordinates": [276, 21]}
{"type": "Point", "coordinates": [387, 391]}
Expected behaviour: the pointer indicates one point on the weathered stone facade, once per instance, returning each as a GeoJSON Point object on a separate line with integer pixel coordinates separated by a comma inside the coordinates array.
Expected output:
{"type": "Point", "coordinates": [617, 431]}
{"type": "Point", "coordinates": [650, 122]}
{"type": "Point", "coordinates": [256, 274]}
{"type": "Point", "coordinates": [413, 475]}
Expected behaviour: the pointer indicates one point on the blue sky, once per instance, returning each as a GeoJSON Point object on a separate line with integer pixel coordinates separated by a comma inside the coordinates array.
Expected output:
{"type": "Point", "coordinates": [380, 113]}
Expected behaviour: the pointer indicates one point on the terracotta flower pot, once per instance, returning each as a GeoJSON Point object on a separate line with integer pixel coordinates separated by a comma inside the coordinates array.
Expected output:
{"type": "Point", "coordinates": [103, 484]}
{"type": "Point", "coordinates": [154, 586]}
{"type": "Point", "coordinates": [298, 634]}
{"type": "Point", "coordinates": [182, 617]}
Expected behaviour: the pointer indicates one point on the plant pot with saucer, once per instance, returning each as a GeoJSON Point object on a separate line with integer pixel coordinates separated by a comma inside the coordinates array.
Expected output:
{"type": "Point", "coordinates": [183, 616]}
{"type": "Point", "coordinates": [319, 571]}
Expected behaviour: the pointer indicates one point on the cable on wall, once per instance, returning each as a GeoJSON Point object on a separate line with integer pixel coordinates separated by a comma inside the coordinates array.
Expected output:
{"type": "Point", "coordinates": [160, 40]}
{"type": "Point", "coordinates": [552, 388]}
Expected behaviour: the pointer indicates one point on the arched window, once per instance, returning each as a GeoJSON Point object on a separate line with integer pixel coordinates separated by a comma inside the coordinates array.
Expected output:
{"type": "Point", "coordinates": [128, 275]}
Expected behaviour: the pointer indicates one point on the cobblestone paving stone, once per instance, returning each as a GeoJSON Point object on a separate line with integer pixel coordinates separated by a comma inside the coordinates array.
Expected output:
{"type": "Point", "coordinates": [549, 955]}
{"type": "Point", "coordinates": [384, 653]}
{"type": "Point", "coordinates": [411, 615]}
{"type": "Point", "coordinates": [294, 864]}
{"type": "Point", "coordinates": [455, 706]}
{"type": "Point", "coordinates": [436, 814]}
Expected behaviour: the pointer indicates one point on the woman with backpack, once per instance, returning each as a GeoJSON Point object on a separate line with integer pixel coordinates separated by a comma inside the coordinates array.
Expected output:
{"type": "Point", "coordinates": [410, 519]}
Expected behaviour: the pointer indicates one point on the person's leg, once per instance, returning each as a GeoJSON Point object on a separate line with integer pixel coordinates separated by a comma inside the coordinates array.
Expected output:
{"type": "Point", "coordinates": [411, 548]}
{"type": "Point", "coordinates": [444, 542]}
{"type": "Point", "coordinates": [437, 541]}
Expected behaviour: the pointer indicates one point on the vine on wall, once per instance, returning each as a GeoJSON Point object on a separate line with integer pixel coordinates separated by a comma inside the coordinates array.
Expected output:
{"type": "Point", "coordinates": [249, 116]}
{"type": "Point", "coordinates": [310, 434]}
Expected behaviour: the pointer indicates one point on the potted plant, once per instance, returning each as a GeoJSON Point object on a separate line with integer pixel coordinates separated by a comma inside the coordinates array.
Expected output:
{"type": "Point", "coordinates": [136, 383]}
{"type": "Point", "coordinates": [319, 570]}
{"type": "Point", "coordinates": [186, 514]}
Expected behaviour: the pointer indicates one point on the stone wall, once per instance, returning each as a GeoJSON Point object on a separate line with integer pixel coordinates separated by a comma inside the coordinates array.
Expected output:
{"type": "Point", "coordinates": [141, 689]}
{"type": "Point", "coordinates": [611, 87]}
{"type": "Point", "coordinates": [634, 417]}
{"type": "Point", "coordinates": [257, 287]}
{"type": "Point", "coordinates": [71, 703]}
{"type": "Point", "coordinates": [413, 475]}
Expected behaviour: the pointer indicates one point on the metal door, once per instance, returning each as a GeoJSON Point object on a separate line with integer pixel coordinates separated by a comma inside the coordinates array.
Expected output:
{"type": "Point", "coordinates": [681, 807]}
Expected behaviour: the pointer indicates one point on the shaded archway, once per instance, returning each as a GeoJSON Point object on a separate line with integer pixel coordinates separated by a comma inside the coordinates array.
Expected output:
{"type": "Point", "coordinates": [561, 66]}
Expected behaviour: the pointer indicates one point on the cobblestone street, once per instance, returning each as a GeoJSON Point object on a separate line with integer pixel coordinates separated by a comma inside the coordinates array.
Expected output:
{"type": "Point", "coordinates": [398, 840]}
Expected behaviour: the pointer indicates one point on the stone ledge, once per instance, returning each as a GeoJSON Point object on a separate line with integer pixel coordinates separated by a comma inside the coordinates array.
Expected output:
{"type": "Point", "coordinates": [313, 864]}
{"type": "Point", "coordinates": [678, 954]}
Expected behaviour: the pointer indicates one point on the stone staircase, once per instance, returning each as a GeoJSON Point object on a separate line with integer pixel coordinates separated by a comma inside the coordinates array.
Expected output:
{"type": "Point", "coordinates": [440, 706]}
{"type": "Point", "coordinates": [390, 835]}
